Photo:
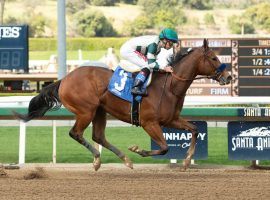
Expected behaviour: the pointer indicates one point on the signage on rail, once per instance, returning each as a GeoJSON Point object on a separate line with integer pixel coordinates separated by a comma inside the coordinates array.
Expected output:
{"type": "Point", "coordinates": [249, 140]}
{"type": "Point", "coordinates": [179, 142]}
{"type": "Point", "coordinates": [254, 112]}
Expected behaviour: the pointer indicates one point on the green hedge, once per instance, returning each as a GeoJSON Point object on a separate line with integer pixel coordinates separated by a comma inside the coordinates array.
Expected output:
{"type": "Point", "coordinates": [73, 44]}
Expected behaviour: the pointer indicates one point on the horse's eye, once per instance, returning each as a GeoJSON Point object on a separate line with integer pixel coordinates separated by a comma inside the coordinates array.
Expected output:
{"type": "Point", "coordinates": [214, 59]}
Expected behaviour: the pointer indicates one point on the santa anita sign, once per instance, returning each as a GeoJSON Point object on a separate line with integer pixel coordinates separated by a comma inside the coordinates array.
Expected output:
{"type": "Point", "coordinates": [249, 140]}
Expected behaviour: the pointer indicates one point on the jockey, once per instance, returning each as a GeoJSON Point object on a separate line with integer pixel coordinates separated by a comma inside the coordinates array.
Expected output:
{"type": "Point", "coordinates": [142, 51]}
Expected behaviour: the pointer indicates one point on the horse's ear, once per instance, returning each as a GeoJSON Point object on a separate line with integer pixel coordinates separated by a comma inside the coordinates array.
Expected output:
{"type": "Point", "coordinates": [205, 44]}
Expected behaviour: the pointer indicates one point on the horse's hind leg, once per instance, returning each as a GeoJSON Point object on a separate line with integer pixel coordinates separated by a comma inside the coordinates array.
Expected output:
{"type": "Point", "coordinates": [82, 121]}
{"type": "Point", "coordinates": [98, 135]}
{"type": "Point", "coordinates": [155, 132]}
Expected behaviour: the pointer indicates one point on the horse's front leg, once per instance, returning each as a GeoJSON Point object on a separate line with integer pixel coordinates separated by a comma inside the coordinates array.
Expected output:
{"type": "Point", "coordinates": [180, 123]}
{"type": "Point", "coordinates": [155, 132]}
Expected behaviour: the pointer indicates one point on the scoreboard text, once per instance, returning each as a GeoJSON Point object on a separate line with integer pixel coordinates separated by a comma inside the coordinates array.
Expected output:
{"type": "Point", "coordinates": [248, 61]}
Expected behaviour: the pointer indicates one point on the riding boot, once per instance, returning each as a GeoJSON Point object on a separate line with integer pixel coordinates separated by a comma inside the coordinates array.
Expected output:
{"type": "Point", "coordinates": [139, 81]}
{"type": "Point", "coordinates": [137, 88]}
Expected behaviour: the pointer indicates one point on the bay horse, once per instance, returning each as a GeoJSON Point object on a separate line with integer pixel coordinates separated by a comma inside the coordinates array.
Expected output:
{"type": "Point", "coordinates": [84, 93]}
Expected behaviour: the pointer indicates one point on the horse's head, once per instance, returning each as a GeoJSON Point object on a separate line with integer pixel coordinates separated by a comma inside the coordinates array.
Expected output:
{"type": "Point", "coordinates": [210, 65]}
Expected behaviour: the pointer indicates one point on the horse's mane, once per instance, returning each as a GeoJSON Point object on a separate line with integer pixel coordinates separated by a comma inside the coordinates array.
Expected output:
{"type": "Point", "coordinates": [179, 56]}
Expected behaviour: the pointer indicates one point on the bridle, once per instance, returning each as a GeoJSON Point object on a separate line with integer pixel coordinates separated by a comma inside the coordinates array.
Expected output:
{"type": "Point", "coordinates": [216, 76]}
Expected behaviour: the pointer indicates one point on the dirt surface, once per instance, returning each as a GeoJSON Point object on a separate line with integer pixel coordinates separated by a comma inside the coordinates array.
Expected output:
{"type": "Point", "coordinates": [114, 181]}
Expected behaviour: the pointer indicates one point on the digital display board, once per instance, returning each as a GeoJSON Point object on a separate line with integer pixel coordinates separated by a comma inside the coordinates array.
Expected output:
{"type": "Point", "coordinates": [248, 61]}
{"type": "Point", "coordinates": [254, 67]}
{"type": "Point", "coordinates": [14, 47]}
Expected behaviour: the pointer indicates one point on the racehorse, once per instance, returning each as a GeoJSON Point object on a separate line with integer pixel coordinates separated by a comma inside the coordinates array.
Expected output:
{"type": "Point", "coordinates": [84, 93]}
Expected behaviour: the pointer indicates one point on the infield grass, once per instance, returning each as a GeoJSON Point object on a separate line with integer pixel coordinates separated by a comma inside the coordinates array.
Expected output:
{"type": "Point", "coordinates": [39, 146]}
{"type": "Point", "coordinates": [71, 55]}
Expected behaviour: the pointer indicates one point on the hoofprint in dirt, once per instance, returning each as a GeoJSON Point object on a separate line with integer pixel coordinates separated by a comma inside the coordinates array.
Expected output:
{"type": "Point", "coordinates": [114, 181]}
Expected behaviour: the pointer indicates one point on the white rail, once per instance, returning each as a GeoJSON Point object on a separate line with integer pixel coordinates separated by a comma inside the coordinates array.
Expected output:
{"type": "Point", "coordinates": [23, 101]}
{"type": "Point", "coordinates": [225, 100]}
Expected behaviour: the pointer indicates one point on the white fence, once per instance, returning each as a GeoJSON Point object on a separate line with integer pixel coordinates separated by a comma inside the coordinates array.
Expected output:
{"type": "Point", "coordinates": [23, 101]}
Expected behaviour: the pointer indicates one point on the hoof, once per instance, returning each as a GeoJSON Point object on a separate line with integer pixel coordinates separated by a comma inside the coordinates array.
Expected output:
{"type": "Point", "coordinates": [182, 169]}
{"type": "Point", "coordinates": [129, 165]}
{"type": "Point", "coordinates": [128, 162]}
{"type": "Point", "coordinates": [96, 163]}
{"type": "Point", "coordinates": [134, 148]}
{"type": "Point", "coordinates": [186, 163]}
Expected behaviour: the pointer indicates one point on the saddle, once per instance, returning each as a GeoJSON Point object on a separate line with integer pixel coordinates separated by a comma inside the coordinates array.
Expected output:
{"type": "Point", "coordinates": [121, 84]}
{"type": "Point", "coordinates": [130, 67]}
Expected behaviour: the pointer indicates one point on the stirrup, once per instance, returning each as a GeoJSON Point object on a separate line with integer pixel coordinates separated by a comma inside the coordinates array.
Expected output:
{"type": "Point", "coordinates": [137, 91]}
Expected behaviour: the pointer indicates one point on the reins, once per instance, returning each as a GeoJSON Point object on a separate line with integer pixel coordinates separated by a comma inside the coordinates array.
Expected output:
{"type": "Point", "coordinates": [178, 78]}
{"type": "Point", "coordinates": [163, 89]}
{"type": "Point", "coordinates": [184, 79]}
{"type": "Point", "coordinates": [196, 78]}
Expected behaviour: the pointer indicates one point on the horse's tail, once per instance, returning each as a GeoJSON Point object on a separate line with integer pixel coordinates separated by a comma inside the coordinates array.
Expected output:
{"type": "Point", "coordinates": [47, 99]}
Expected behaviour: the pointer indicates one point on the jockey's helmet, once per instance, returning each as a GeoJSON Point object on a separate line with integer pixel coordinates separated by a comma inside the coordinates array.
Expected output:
{"type": "Point", "coordinates": [169, 34]}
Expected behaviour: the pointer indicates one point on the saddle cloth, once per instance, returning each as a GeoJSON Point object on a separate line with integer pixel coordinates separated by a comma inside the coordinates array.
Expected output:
{"type": "Point", "coordinates": [121, 84]}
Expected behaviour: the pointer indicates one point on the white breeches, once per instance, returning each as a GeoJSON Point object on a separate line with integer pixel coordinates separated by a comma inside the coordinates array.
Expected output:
{"type": "Point", "coordinates": [128, 53]}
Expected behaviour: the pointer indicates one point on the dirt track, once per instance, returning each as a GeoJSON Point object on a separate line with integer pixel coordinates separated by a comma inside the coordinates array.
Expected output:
{"type": "Point", "coordinates": [144, 182]}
